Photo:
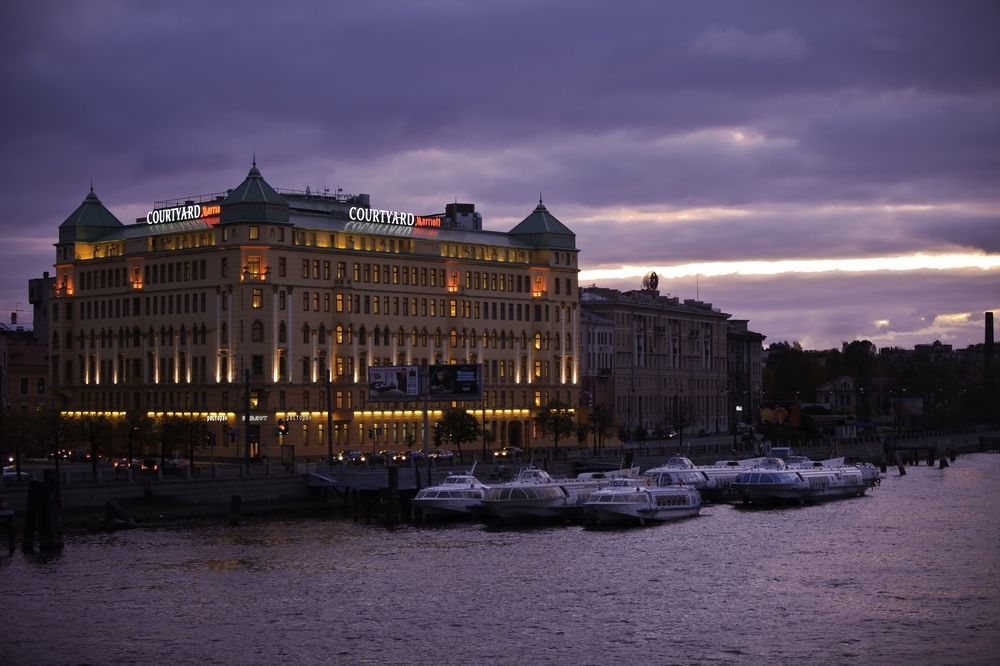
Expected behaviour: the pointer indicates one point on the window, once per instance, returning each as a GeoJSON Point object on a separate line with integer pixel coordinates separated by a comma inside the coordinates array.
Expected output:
{"type": "Point", "coordinates": [282, 267]}
{"type": "Point", "coordinates": [257, 331]}
{"type": "Point", "coordinates": [257, 299]}
{"type": "Point", "coordinates": [254, 232]}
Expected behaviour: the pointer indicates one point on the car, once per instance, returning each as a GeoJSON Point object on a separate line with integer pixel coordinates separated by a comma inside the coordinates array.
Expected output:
{"type": "Point", "coordinates": [441, 455]}
{"type": "Point", "coordinates": [150, 465]}
{"type": "Point", "coordinates": [10, 474]}
{"type": "Point", "coordinates": [352, 457]}
{"type": "Point", "coordinates": [408, 456]}
{"type": "Point", "coordinates": [125, 463]}
{"type": "Point", "coordinates": [508, 453]}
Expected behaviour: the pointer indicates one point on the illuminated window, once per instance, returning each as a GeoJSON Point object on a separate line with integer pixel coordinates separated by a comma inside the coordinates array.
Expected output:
{"type": "Point", "coordinates": [257, 299]}
{"type": "Point", "coordinates": [254, 232]}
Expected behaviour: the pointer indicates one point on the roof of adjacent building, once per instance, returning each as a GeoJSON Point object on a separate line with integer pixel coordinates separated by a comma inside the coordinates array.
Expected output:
{"type": "Point", "coordinates": [91, 215]}
{"type": "Point", "coordinates": [254, 190]}
{"type": "Point", "coordinates": [542, 228]}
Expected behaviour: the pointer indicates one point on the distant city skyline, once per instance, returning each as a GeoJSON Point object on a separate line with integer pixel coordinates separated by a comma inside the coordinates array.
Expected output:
{"type": "Point", "coordinates": [827, 173]}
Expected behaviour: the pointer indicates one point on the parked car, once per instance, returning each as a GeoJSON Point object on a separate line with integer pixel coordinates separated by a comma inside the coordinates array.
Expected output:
{"type": "Point", "coordinates": [10, 474]}
{"type": "Point", "coordinates": [441, 455]}
{"type": "Point", "coordinates": [150, 465]}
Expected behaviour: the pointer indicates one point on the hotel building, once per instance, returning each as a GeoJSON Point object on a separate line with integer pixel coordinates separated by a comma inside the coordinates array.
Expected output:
{"type": "Point", "coordinates": [281, 300]}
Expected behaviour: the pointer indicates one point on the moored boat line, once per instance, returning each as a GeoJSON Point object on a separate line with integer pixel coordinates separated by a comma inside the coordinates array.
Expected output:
{"type": "Point", "coordinates": [458, 496]}
{"type": "Point", "coordinates": [535, 495]}
{"type": "Point", "coordinates": [802, 481]}
{"type": "Point", "coordinates": [640, 500]}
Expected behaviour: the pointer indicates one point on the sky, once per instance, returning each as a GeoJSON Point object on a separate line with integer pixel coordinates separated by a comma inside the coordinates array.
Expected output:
{"type": "Point", "coordinates": [828, 171]}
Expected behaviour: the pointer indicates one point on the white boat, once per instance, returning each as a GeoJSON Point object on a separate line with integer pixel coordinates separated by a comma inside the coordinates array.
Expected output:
{"type": "Point", "coordinates": [639, 500]}
{"type": "Point", "coordinates": [535, 495]}
{"type": "Point", "coordinates": [458, 496]}
{"type": "Point", "coordinates": [774, 481]}
{"type": "Point", "coordinates": [712, 481]}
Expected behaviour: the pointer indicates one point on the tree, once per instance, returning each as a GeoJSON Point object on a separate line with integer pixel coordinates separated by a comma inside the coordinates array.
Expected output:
{"type": "Point", "coordinates": [457, 426]}
{"type": "Point", "coordinates": [600, 419]}
{"type": "Point", "coordinates": [555, 419]}
{"type": "Point", "coordinates": [192, 433]}
{"type": "Point", "coordinates": [53, 433]}
{"type": "Point", "coordinates": [133, 429]}
{"type": "Point", "coordinates": [95, 429]}
{"type": "Point", "coordinates": [17, 425]}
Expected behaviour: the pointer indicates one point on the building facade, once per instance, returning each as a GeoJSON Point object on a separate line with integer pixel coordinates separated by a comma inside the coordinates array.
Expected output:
{"type": "Point", "coordinates": [668, 367]}
{"type": "Point", "coordinates": [272, 304]}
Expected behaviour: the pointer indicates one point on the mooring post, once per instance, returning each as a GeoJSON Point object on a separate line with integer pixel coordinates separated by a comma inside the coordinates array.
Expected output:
{"type": "Point", "coordinates": [392, 505]}
{"type": "Point", "coordinates": [235, 505]}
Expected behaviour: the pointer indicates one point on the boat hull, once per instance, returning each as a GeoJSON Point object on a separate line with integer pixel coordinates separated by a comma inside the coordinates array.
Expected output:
{"type": "Point", "coordinates": [641, 513]}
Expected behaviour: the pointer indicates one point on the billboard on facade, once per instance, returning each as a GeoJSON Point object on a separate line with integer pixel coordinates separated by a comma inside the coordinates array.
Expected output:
{"type": "Point", "coordinates": [462, 381]}
{"type": "Point", "coordinates": [393, 382]}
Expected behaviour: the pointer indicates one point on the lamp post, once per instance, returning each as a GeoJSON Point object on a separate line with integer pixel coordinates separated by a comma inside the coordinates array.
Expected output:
{"type": "Point", "coordinates": [246, 418]}
{"type": "Point", "coordinates": [329, 417]}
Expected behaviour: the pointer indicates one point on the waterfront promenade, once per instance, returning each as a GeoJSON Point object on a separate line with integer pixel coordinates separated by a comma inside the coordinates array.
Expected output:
{"type": "Point", "coordinates": [266, 488]}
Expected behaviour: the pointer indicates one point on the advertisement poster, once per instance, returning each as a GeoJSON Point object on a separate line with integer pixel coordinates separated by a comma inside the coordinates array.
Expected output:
{"type": "Point", "coordinates": [393, 382]}
{"type": "Point", "coordinates": [463, 381]}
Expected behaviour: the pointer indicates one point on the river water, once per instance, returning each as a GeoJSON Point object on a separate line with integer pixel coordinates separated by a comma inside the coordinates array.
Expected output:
{"type": "Point", "coordinates": [908, 574]}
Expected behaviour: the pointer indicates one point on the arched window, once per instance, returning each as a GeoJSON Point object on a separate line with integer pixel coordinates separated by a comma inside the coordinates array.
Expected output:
{"type": "Point", "coordinates": [413, 337]}
{"type": "Point", "coordinates": [136, 337]}
{"type": "Point", "coordinates": [437, 337]}
{"type": "Point", "coordinates": [282, 332]}
{"type": "Point", "coordinates": [538, 340]}
{"type": "Point", "coordinates": [55, 340]}
{"type": "Point", "coordinates": [305, 334]}
{"type": "Point", "coordinates": [524, 341]}
{"type": "Point", "coordinates": [183, 335]}
{"type": "Point", "coordinates": [423, 337]}
{"type": "Point", "coordinates": [223, 335]}
{"type": "Point", "coordinates": [322, 334]}
{"type": "Point", "coordinates": [338, 334]}
{"type": "Point", "coordinates": [256, 331]}
{"type": "Point", "coordinates": [453, 338]}
{"type": "Point", "coordinates": [363, 336]}
{"type": "Point", "coordinates": [378, 336]}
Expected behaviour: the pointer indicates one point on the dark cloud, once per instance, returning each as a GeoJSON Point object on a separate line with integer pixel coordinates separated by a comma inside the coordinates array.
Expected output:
{"type": "Point", "coordinates": [848, 129]}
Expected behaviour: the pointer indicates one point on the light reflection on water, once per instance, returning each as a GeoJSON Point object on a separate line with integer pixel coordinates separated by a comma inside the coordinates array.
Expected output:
{"type": "Point", "coordinates": [906, 574]}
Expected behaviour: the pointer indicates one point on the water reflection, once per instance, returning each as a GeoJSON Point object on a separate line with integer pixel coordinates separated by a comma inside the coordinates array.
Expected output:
{"type": "Point", "coordinates": [908, 570]}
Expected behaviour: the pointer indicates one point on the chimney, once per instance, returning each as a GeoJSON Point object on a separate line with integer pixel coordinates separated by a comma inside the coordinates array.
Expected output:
{"type": "Point", "coordinates": [988, 356]}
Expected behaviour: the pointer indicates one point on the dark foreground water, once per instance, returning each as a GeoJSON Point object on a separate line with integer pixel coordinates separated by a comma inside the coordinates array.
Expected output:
{"type": "Point", "coordinates": [909, 574]}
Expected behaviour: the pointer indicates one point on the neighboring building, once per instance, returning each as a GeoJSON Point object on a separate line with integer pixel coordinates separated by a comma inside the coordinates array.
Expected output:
{"type": "Point", "coordinates": [597, 359]}
{"type": "Point", "coordinates": [24, 370]}
{"type": "Point", "coordinates": [669, 364]}
{"type": "Point", "coordinates": [39, 295]}
{"type": "Point", "coordinates": [182, 310]}
{"type": "Point", "coordinates": [839, 395]}
{"type": "Point", "coordinates": [745, 363]}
